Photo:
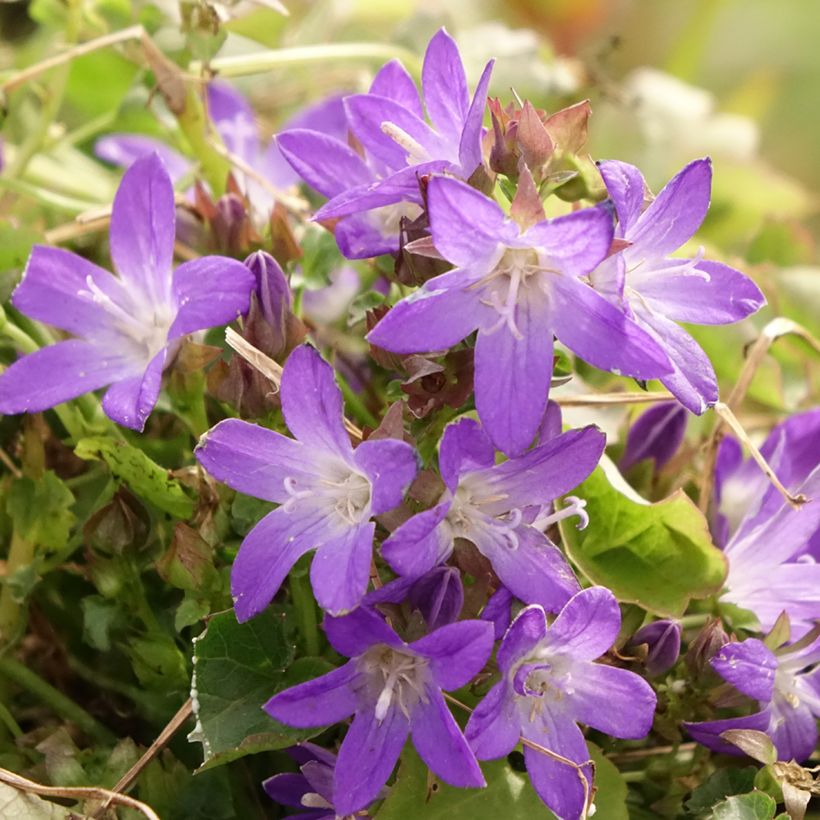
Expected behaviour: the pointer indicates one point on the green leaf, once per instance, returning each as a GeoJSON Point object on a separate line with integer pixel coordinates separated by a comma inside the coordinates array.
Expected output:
{"type": "Point", "coordinates": [508, 794]}
{"type": "Point", "coordinates": [658, 556]}
{"type": "Point", "coordinates": [145, 477]}
{"type": "Point", "coordinates": [610, 798]}
{"type": "Point", "coordinates": [237, 668]}
{"type": "Point", "coordinates": [752, 806]}
{"type": "Point", "coordinates": [722, 784]}
{"type": "Point", "coordinates": [41, 510]}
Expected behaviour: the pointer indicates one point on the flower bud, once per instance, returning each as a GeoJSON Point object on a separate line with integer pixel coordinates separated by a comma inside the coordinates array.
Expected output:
{"type": "Point", "coordinates": [439, 596]}
{"type": "Point", "coordinates": [662, 639]}
{"type": "Point", "coordinates": [703, 648]}
{"type": "Point", "coordinates": [657, 433]}
{"type": "Point", "coordinates": [272, 291]}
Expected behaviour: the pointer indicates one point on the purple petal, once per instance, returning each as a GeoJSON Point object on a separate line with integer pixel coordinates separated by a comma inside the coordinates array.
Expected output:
{"type": "Point", "coordinates": [210, 291]}
{"type": "Point", "coordinates": [749, 666]}
{"type": "Point", "coordinates": [440, 743]}
{"type": "Point", "coordinates": [576, 243]}
{"type": "Point", "coordinates": [360, 236]}
{"type": "Point", "coordinates": [439, 596]}
{"type": "Point", "coordinates": [287, 789]}
{"type": "Point", "coordinates": [464, 447]}
{"type": "Point", "coordinates": [445, 85]}
{"type": "Point", "coordinates": [512, 377]}
{"type": "Point", "coordinates": [142, 229]}
{"type": "Point", "coordinates": [393, 81]}
{"type": "Point", "coordinates": [692, 380]}
{"type": "Point", "coordinates": [125, 149]}
{"type": "Point", "coordinates": [324, 162]}
{"type": "Point", "coordinates": [527, 630]}
{"type": "Point", "coordinates": [58, 373]}
{"type": "Point", "coordinates": [428, 321]}
{"type": "Point", "coordinates": [556, 783]}
{"type": "Point", "coordinates": [470, 155]}
{"type": "Point", "coordinates": [55, 290]}
{"type": "Point", "coordinates": [492, 730]}
{"type": "Point", "coordinates": [466, 226]}
{"type": "Point", "coordinates": [355, 633]}
{"type": "Point", "coordinates": [252, 459]}
{"type": "Point", "coordinates": [676, 213]}
{"type": "Point", "coordinates": [234, 120]}
{"type": "Point", "coordinates": [546, 472]}
{"type": "Point", "coordinates": [312, 403]}
{"type": "Point", "coordinates": [710, 293]}
{"type": "Point", "coordinates": [269, 551]}
{"type": "Point", "coordinates": [366, 114]}
{"type": "Point", "coordinates": [656, 433]}
{"type": "Point", "coordinates": [420, 543]}
{"type": "Point", "coordinates": [793, 729]}
{"type": "Point", "coordinates": [588, 625]}
{"type": "Point", "coordinates": [320, 778]}
{"type": "Point", "coordinates": [708, 732]}
{"type": "Point", "coordinates": [601, 334]}
{"type": "Point", "coordinates": [552, 423]}
{"type": "Point", "coordinates": [615, 701]}
{"type": "Point", "coordinates": [130, 401]}
{"type": "Point", "coordinates": [391, 466]}
{"type": "Point", "coordinates": [318, 702]}
{"type": "Point", "coordinates": [341, 568]}
{"type": "Point", "coordinates": [498, 611]}
{"type": "Point", "coordinates": [366, 759]}
{"type": "Point", "coordinates": [627, 188]}
{"type": "Point", "coordinates": [457, 652]}
{"type": "Point", "coordinates": [535, 571]}
{"type": "Point", "coordinates": [662, 639]}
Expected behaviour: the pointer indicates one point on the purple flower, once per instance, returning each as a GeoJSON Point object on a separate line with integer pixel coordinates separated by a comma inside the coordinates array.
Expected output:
{"type": "Point", "coordinates": [662, 639]}
{"type": "Point", "coordinates": [657, 433]}
{"type": "Point", "coordinates": [494, 505]}
{"type": "Point", "coordinates": [658, 290]}
{"type": "Point", "coordinates": [787, 686]}
{"type": "Point", "coordinates": [128, 326]}
{"type": "Point", "coordinates": [517, 289]}
{"type": "Point", "coordinates": [549, 685]}
{"type": "Point", "coordinates": [392, 689]}
{"type": "Point", "coordinates": [388, 122]}
{"type": "Point", "coordinates": [327, 491]}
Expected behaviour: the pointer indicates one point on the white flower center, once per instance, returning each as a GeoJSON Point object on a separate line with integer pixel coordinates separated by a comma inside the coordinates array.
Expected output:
{"type": "Point", "coordinates": [465, 514]}
{"type": "Point", "coordinates": [398, 677]}
{"type": "Point", "coordinates": [344, 491]}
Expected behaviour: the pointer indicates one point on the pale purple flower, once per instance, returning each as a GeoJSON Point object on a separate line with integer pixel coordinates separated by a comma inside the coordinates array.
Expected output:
{"type": "Point", "coordinates": [327, 491]}
{"type": "Point", "coordinates": [392, 689]}
{"type": "Point", "coordinates": [372, 192]}
{"type": "Point", "coordinates": [517, 289]}
{"type": "Point", "coordinates": [662, 639]}
{"type": "Point", "coordinates": [658, 290]}
{"type": "Point", "coordinates": [656, 433]}
{"type": "Point", "coordinates": [786, 684]}
{"type": "Point", "coordinates": [494, 507]}
{"type": "Point", "coordinates": [128, 327]}
{"type": "Point", "coordinates": [550, 684]}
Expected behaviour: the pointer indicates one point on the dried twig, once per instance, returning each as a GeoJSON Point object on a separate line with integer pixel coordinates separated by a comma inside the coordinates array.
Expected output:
{"type": "Point", "coordinates": [128, 779]}
{"type": "Point", "coordinates": [591, 399]}
{"type": "Point", "coordinates": [23, 784]}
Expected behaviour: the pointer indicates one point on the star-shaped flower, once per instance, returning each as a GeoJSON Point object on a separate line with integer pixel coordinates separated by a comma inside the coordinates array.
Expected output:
{"type": "Point", "coordinates": [128, 327]}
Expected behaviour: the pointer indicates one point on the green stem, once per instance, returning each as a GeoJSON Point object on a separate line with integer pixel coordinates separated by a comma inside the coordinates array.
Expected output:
{"type": "Point", "coordinates": [63, 706]}
{"type": "Point", "coordinates": [9, 722]}
{"type": "Point", "coordinates": [355, 405]}
{"type": "Point", "coordinates": [698, 619]}
{"type": "Point", "coordinates": [194, 124]}
{"type": "Point", "coordinates": [21, 554]}
{"type": "Point", "coordinates": [305, 607]}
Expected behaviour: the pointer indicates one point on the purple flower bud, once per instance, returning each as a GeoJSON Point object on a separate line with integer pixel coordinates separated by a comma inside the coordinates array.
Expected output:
{"type": "Point", "coordinates": [662, 639]}
{"type": "Point", "coordinates": [439, 596]}
{"type": "Point", "coordinates": [705, 645]}
{"type": "Point", "coordinates": [498, 611]}
{"type": "Point", "coordinates": [656, 434]}
{"type": "Point", "coordinates": [272, 291]}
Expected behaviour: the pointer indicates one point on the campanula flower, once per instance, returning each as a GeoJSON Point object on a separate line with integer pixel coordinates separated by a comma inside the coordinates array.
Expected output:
{"type": "Point", "coordinates": [550, 684]}
{"type": "Point", "coordinates": [371, 192]}
{"type": "Point", "coordinates": [127, 327]}
{"type": "Point", "coordinates": [327, 491]}
{"type": "Point", "coordinates": [392, 689]}
{"type": "Point", "coordinates": [786, 683]}
{"type": "Point", "coordinates": [517, 289]}
{"type": "Point", "coordinates": [658, 290]}
{"type": "Point", "coordinates": [656, 433]}
{"type": "Point", "coordinates": [494, 507]}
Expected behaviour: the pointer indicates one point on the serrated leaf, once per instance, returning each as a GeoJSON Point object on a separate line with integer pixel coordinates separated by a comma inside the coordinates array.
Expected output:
{"type": "Point", "coordinates": [658, 556]}
{"type": "Point", "coordinates": [237, 668]}
{"type": "Point", "coordinates": [41, 510]}
{"type": "Point", "coordinates": [752, 806]}
{"type": "Point", "coordinates": [144, 476]}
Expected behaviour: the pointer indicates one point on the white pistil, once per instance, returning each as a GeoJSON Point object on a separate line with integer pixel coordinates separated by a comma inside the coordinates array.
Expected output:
{"type": "Point", "coordinates": [576, 506]}
{"type": "Point", "coordinates": [348, 496]}
{"type": "Point", "coordinates": [416, 153]}
{"type": "Point", "coordinates": [399, 677]}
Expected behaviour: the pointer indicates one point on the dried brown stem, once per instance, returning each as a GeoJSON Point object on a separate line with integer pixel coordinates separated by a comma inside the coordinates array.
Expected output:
{"type": "Point", "coordinates": [587, 400]}
{"type": "Point", "coordinates": [23, 784]}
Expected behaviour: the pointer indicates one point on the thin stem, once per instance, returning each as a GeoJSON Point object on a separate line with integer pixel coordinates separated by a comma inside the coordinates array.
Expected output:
{"type": "Point", "coordinates": [354, 403]}
{"type": "Point", "coordinates": [9, 722]}
{"type": "Point", "coordinates": [21, 554]}
{"type": "Point", "coordinates": [305, 607]}
{"type": "Point", "coordinates": [63, 706]}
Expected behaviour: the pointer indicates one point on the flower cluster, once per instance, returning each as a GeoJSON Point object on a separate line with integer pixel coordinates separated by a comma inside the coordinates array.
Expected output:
{"type": "Point", "coordinates": [538, 255]}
